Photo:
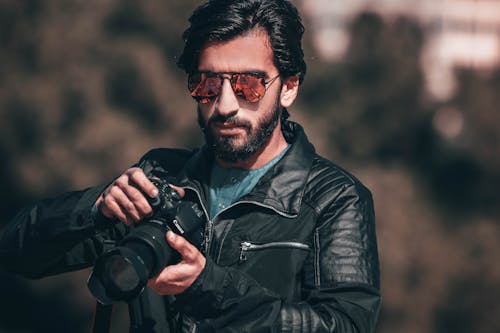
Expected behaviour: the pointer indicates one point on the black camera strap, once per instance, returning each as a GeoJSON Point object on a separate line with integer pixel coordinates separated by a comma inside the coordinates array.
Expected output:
{"type": "Point", "coordinates": [148, 313]}
{"type": "Point", "coordinates": [102, 313]}
{"type": "Point", "coordinates": [102, 318]}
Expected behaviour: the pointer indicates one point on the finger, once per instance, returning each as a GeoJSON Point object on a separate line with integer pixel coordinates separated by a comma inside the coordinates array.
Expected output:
{"type": "Point", "coordinates": [180, 190]}
{"type": "Point", "coordinates": [125, 204]}
{"type": "Point", "coordinates": [172, 279]}
{"type": "Point", "coordinates": [164, 285]}
{"type": "Point", "coordinates": [99, 200]}
{"type": "Point", "coordinates": [111, 209]}
{"type": "Point", "coordinates": [137, 198]}
{"type": "Point", "coordinates": [138, 178]}
{"type": "Point", "coordinates": [187, 250]}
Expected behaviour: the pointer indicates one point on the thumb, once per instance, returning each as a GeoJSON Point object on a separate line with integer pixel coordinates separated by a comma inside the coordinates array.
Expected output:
{"type": "Point", "coordinates": [179, 243]}
{"type": "Point", "coordinates": [179, 190]}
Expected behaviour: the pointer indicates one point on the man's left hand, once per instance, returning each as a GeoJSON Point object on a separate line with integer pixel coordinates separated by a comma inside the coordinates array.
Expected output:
{"type": "Point", "coordinates": [174, 279]}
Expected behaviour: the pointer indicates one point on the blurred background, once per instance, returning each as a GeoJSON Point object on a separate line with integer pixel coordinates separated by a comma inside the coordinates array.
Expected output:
{"type": "Point", "coordinates": [405, 94]}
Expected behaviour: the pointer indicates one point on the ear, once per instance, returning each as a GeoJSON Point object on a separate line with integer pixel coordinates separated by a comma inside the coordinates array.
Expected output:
{"type": "Point", "coordinates": [289, 91]}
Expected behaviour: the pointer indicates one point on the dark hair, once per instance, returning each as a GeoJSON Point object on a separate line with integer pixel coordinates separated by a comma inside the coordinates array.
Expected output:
{"type": "Point", "coordinates": [223, 20]}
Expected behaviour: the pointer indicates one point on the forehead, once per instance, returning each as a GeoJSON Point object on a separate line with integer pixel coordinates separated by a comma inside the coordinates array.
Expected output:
{"type": "Point", "coordinates": [249, 52]}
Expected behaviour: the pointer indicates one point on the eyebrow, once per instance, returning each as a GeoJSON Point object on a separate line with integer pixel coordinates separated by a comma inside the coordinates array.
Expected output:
{"type": "Point", "coordinates": [254, 72]}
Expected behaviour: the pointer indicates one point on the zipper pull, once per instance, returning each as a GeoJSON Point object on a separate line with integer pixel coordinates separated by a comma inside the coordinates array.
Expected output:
{"type": "Point", "coordinates": [243, 251]}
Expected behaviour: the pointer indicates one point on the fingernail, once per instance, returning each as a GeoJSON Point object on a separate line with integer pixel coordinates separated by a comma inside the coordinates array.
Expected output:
{"type": "Point", "coordinates": [154, 193]}
{"type": "Point", "coordinates": [170, 235]}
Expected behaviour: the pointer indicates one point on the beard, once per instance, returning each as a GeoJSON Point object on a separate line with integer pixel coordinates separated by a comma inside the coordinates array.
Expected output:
{"type": "Point", "coordinates": [226, 148]}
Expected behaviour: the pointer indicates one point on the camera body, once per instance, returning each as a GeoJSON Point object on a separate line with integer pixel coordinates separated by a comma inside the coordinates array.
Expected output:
{"type": "Point", "coordinates": [121, 273]}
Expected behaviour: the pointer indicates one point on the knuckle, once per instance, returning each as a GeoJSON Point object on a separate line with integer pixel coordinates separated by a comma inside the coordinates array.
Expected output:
{"type": "Point", "coordinates": [136, 174]}
{"type": "Point", "coordinates": [121, 184]}
{"type": "Point", "coordinates": [130, 171]}
{"type": "Point", "coordinates": [130, 207]}
{"type": "Point", "coordinates": [143, 210]}
{"type": "Point", "coordinates": [136, 195]}
{"type": "Point", "coordinates": [147, 209]}
{"type": "Point", "coordinates": [120, 180]}
{"type": "Point", "coordinates": [114, 191]}
{"type": "Point", "coordinates": [108, 200]}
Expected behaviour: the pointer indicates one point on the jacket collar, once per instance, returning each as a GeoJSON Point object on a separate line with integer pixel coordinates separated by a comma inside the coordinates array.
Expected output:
{"type": "Point", "coordinates": [281, 188]}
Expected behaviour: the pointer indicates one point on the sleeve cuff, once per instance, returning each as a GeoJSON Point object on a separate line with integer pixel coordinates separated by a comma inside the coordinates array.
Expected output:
{"type": "Point", "coordinates": [203, 298]}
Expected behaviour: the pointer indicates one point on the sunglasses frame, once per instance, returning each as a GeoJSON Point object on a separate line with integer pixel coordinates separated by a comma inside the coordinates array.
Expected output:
{"type": "Point", "coordinates": [233, 78]}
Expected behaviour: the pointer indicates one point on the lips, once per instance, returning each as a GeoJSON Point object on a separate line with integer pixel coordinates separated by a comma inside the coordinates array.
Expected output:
{"type": "Point", "coordinates": [228, 128]}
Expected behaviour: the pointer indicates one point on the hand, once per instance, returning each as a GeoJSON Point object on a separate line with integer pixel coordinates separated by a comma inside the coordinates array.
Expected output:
{"type": "Point", "coordinates": [125, 200]}
{"type": "Point", "coordinates": [175, 279]}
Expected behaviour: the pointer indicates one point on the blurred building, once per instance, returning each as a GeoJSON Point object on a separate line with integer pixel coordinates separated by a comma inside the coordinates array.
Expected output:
{"type": "Point", "coordinates": [459, 33]}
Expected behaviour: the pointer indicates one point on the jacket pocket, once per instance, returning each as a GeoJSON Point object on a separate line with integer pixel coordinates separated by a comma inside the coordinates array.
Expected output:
{"type": "Point", "coordinates": [248, 247]}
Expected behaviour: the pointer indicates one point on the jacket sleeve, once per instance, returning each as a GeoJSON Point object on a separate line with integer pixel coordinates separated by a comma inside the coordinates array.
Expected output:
{"type": "Point", "coordinates": [55, 235]}
{"type": "Point", "coordinates": [340, 291]}
{"type": "Point", "coordinates": [345, 294]}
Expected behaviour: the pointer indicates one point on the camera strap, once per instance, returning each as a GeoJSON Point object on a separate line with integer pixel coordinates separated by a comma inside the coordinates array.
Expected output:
{"type": "Point", "coordinates": [148, 313]}
{"type": "Point", "coordinates": [102, 313]}
{"type": "Point", "coordinates": [102, 318]}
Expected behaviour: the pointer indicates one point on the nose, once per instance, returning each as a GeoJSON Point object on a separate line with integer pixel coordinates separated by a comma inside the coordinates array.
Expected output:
{"type": "Point", "coordinates": [227, 102]}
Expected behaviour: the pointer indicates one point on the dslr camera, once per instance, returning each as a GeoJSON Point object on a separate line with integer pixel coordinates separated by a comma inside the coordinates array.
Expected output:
{"type": "Point", "coordinates": [121, 273]}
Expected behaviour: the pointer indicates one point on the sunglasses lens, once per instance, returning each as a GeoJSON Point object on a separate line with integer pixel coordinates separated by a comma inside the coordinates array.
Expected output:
{"type": "Point", "coordinates": [249, 87]}
{"type": "Point", "coordinates": [204, 87]}
{"type": "Point", "coordinates": [193, 82]}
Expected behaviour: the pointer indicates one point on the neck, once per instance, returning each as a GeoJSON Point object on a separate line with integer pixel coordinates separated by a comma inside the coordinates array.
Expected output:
{"type": "Point", "coordinates": [266, 154]}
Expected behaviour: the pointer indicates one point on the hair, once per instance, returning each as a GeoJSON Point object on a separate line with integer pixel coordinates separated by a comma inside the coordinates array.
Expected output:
{"type": "Point", "coordinates": [224, 20]}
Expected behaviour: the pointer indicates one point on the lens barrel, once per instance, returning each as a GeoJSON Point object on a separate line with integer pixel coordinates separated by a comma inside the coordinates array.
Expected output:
{"type": "Point", "coordinates": [122, 273]}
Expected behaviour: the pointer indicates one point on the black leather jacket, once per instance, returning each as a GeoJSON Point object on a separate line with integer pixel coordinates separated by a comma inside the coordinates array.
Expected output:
{"type": "Point", "coordinates": [297, 254]}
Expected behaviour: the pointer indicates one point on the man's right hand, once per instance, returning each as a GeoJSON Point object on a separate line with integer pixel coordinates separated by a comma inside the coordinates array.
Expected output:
{"type": "Point", "coordinates": [125, 198]}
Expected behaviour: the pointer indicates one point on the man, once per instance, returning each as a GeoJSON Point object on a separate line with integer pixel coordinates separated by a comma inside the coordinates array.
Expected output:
{"type": "Point", "coordinates": [289, 237]}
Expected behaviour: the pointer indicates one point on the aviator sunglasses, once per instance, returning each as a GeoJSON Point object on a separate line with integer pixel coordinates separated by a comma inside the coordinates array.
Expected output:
{"type": "Point", "coordinates": [205, 86]}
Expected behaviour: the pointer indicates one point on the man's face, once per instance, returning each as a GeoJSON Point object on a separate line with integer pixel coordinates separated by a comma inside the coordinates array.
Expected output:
{"type": "Point", "coordinates": [235, 128]}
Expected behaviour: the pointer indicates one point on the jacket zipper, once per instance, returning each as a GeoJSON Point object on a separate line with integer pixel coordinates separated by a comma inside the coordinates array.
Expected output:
{"type": "Point", "coordinates": [208, 237]}
{"type": "Point", "coordinates": [249, 246]}
{"type": "Point", "coordinates": [208, 233]}
{"type": "Point", "coordinates": [210, 222]}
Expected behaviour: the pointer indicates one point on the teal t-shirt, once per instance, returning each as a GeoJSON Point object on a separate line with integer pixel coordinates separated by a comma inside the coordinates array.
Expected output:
{"type": "Point", "coordinates": [229, 184]}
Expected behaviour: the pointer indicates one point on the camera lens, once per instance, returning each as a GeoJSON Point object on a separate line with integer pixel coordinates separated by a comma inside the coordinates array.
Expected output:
{"type": "Point", "coordinates": [121, 273]}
